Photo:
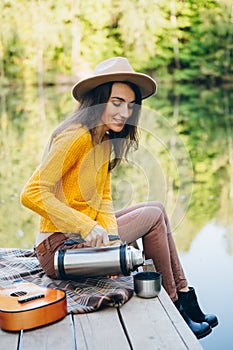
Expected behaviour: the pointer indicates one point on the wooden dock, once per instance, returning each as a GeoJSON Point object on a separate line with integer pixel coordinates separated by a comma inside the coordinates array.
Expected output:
{"type": "Point", "coordinates": [139, 324]}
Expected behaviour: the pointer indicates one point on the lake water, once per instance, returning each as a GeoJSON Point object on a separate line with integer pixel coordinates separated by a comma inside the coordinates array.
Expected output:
{"type": "Point", "coordinates": [209, 266]}
{"type": "Point", "coordinates": [185, 161]}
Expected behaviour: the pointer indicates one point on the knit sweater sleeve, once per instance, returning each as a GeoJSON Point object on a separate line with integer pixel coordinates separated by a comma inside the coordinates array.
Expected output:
{"type": "Point", "coordinates": [39, 193]}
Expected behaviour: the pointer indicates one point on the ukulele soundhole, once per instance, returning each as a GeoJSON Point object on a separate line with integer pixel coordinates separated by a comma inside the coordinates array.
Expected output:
{"type": "Point", "coordinates": [19, 293]}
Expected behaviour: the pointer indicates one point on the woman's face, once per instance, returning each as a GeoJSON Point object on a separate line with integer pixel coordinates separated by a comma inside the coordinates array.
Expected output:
{"type": "Point", "coordinates": [119, 107]}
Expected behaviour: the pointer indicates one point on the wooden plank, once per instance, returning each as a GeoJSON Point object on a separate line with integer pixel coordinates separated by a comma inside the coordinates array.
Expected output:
{"type": "Point", "coordinates": [182, 328]}
{"type": "Point", "coordinates": [55, 336]}
{"type": "Point", "coordinates": [100, 330]}
{"type": "Point", "coordinates": [8, 340]}
{"type": "Point", "coordinates": [149, 326]}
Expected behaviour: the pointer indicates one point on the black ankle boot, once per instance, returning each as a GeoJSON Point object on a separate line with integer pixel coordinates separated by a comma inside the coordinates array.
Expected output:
{"type": "Point", "coordinates": [200, 329]}
{"type": "Point", "coordinates": [190, 304]}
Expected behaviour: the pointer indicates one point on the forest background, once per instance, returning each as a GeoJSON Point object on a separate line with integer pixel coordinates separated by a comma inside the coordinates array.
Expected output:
{"type": "Point", "coordinates": [48, 42]}
{"type": "Point", "coordinates": [186, 45]}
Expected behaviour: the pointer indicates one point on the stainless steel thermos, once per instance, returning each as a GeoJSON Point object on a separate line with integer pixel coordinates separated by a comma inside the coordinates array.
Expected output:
{"type": "Point", "coordinates": [111, 260]}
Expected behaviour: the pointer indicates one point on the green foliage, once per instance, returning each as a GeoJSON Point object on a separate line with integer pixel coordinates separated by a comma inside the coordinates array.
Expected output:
{"type": "Point", "coordinates": [45, 41]}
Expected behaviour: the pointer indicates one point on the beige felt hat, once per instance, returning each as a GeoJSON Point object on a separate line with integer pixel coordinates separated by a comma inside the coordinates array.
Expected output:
{"type": "Point", "coordinates": [115, 69]}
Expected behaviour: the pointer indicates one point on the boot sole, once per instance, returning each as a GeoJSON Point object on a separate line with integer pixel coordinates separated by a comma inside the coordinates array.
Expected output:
{"type": "Point", "coordinates": [214, 324]}
{"type": "Point", "coordinates": [204, 334]}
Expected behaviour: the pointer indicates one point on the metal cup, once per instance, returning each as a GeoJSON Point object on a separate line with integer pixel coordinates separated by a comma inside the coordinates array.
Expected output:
{"type": "Point", "coordinates": [147, 284]}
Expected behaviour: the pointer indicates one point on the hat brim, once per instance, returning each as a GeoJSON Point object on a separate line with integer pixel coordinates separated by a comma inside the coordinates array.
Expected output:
{"type": "Point", "coordinates": [146, 84]}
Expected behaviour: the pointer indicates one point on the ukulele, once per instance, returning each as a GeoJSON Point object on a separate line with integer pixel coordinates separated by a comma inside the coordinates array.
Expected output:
{"type": "Point", "coordinates": [25, 306]}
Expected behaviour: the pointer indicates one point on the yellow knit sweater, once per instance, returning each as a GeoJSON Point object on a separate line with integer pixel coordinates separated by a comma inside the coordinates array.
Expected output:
{"type": "Point", "coordinates": [70, 189]}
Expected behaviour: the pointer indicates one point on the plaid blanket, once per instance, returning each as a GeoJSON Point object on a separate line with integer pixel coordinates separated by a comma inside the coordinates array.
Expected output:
{"type": "Point", "coordinates": [86, 295]}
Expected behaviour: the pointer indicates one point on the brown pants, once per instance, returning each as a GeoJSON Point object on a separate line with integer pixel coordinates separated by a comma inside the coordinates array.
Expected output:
{"type": "Point", "coordinates": [148, 221]}
{"type": "Point", "coordinates": [45, 251]}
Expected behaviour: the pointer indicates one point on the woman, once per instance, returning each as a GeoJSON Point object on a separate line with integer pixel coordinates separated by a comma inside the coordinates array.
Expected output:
{"type": "Point", "coordinates": [70, 189]}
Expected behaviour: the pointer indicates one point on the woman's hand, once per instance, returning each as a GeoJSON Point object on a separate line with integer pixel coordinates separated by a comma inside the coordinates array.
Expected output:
{"type": "Point", "coordinates": [97, 237]}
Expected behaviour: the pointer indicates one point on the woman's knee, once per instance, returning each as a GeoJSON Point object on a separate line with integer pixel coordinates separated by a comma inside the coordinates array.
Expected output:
{"type": "Point", "coordinates": [159, 205]}
{"type": "Point", "coordinates": [153, 213]}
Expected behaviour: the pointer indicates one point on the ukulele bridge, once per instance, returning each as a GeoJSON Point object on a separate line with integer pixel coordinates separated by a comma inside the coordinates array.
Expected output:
{"type": "Point", "coordinates": [25, 299]}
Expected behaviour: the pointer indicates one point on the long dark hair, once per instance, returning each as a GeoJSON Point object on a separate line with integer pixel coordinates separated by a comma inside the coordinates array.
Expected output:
{"type": "Point", "coordinates": [89, 113]}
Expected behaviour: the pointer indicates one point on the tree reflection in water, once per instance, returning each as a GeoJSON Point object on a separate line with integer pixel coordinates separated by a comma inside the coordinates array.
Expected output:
{"type": "Point", "coordinates": [185, 159]}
